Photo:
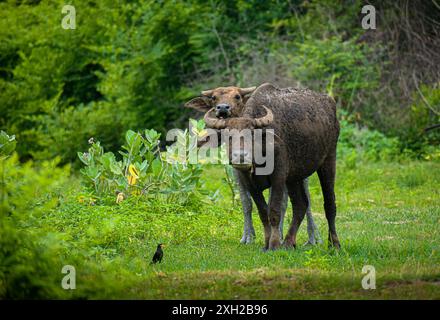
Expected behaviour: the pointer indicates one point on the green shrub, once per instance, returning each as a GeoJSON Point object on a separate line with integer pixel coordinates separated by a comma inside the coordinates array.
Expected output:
{"type": "Point", "coordinates": [29, 261]}
{"type": "Point", "coordinates": [358, 143]}
{"type": "Point", "coordinates": [122, 67]}
{"type": "Point", "coordinates": [424, 112]}
{"type": "Point", "coordinates": [143, 170]}
{"type": "Point", "coordinates": [340, 68]}
{"type": "Point", "coordinates": [7, 145]}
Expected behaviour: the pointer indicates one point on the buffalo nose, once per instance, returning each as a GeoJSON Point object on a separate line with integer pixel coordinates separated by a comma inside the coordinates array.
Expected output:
{"type": "Point", "coordinates": [222, 110]}
{"type": "Point", "coordinates": [240, 157]}
{"type": "Point", "coordinates": [222, 106]}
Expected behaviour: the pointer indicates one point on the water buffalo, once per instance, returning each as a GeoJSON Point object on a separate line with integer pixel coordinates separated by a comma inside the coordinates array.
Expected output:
{"type": "Point", "coordinates": [230, 102]}
{"type": "Point", "coordinates": [306, 131]}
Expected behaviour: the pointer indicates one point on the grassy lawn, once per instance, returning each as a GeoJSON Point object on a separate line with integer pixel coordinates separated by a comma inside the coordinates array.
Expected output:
{"type": "Point", "coordinates": [388, 217]}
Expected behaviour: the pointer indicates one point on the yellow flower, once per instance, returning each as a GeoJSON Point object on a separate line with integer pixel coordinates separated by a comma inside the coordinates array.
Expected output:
{"type": "Point", "coordinates": [120, 197]}
{"type": "Point", "coordinates": [133, 175]}
{"type": "Point", "coordinates": [132, 180]}
{"type": "Point", "coordinates": [133, 171]}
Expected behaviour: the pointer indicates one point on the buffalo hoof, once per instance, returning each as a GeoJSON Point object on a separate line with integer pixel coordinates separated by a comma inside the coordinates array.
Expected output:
{"type": "Point", "coordinates": [334, 245]}
{"type": "Point", "coordinates": [313, 232]}
{"type": "Point", "coordinates": [288, 244]}
{"type": "Point", "coordinates": [333, 242]}
{"type": "Point", "coordinates": [274, 245]}
{"type": "Point", "coordinates": [313, 241]}
{"type": "Point", "coordinates": [248, 237]}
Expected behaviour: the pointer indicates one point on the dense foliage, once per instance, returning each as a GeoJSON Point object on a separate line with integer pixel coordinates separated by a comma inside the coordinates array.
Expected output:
{"type": "Point", "coordinates": [131, 65]}
{"type": "Point", "coordinates": [28, 256]}
{"type": "Point", "coordinates": [143, 170]}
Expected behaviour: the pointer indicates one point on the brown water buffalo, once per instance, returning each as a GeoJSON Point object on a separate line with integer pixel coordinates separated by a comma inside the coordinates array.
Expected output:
{"type": "Point", "coordinates": [305, 130]}
{"type": "Point", "coordinates": [229, 102]}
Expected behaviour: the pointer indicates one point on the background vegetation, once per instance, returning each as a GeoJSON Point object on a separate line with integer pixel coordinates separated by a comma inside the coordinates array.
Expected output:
{"type": "Point", "coordinates": [122, 77]}
{"type": "Point", "coordinates": [131, 65]}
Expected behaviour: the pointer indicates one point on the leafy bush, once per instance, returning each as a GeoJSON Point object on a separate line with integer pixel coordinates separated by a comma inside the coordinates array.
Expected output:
{"type": "Point", "coordinates": [121, 68]}
{"type": "Point", "coordinates": [332, 65]}
{"type": "Point", "coordinates": [7, 145]}
{"type": "Point", "coordinates": [143, 169]}
{"type": "Point", "coordinates": [29, 262]}
{"type": "Point", "coordinates": [358, 143]}
{"type": "Point", "coordinates": [424, 113]}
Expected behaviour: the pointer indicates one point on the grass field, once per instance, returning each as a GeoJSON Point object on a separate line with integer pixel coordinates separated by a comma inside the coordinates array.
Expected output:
{"type": "Point", "coordinates": [388, 217]}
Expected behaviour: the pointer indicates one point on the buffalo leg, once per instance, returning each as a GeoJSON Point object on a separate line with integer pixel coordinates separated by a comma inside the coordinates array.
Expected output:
{"type": "Point", "coordinates": [246, 204]}
{"type": "Point", "coordinates": [298, 197]}
{"type": "Point", "coordinates": [284, 200]}
{"type": "Point", "coordinates": [249, 231]}
{"type": "Point", "coordinates": [326, 176]}
{"type": "Point", "coordinates": [277, 195]}
{"type": "Point", "coordinates": [262, 207]}
{"type": "Point", "coordinates": [312, 229]}
{"type": "Point", "coordinates": [283, 210]}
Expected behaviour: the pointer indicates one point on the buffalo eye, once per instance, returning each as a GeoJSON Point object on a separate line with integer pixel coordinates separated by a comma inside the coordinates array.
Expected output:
{"type": "Point", "coordinates": [237, 96]}
{"type": "Point", "coordinates": [213, 98]}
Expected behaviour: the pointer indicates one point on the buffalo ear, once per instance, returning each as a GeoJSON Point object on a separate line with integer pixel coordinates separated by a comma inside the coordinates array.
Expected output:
{"type": "Point", "coordinates": [246, 93]}
{"type": "Point", "coordinates": [200, 103]}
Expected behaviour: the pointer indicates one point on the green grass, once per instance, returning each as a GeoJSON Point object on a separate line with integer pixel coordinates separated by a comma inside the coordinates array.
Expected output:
{"type": "Point", "coordinates": [388, 217]}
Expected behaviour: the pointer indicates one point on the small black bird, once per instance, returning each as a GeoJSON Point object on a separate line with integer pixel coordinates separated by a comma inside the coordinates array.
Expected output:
{"type": "Point", "coordinates": [158, 255]}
